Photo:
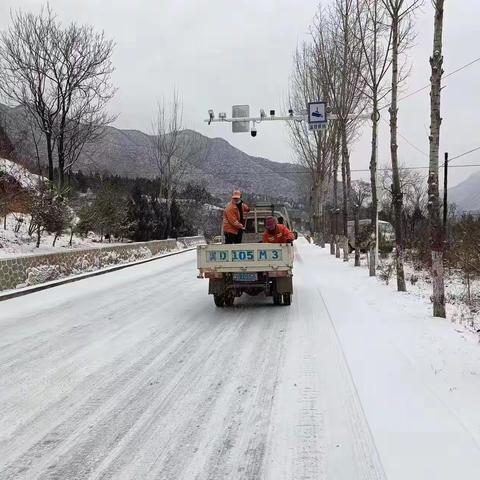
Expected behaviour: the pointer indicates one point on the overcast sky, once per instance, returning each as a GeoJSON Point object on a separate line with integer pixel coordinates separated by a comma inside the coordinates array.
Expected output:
{"type": "Point", "coordinates": [217, 53]}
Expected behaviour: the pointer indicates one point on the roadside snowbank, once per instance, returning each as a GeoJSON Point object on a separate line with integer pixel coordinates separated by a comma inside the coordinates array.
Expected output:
{"type": "Point", "coordinates": [15, 243]}
{"type": "Point", "coordinates": [419, 284]}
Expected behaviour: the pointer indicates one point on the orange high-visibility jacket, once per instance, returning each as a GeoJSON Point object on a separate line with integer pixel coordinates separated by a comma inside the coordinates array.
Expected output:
{"type": "Point", "coordinates": [281, 235]}
{"type": "Point", "coordinates": [231, 217]}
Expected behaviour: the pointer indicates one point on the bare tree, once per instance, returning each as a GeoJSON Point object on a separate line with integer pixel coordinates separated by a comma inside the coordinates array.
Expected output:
{"type": "Point", "coordinates": [375, 40]}
{"type": "Point", "coordinates": [336, 210]}
{"type": "Point", "coordinates": [436, 230]}
{"type": "Point", "coordinates": [81, 68]}
{"type": "Point", "coordinates": [400, 13]}
{"type": "Point", "coordinates": [61, 76]}
{"type": "Point", "coordinates": [339, 57]}
{"type": "Point", "coordinates": [7, 148]}
{"type": "Point", "coordinates": [360, 193]}
{"type": "Point", "coordinates": [171, 150]}
{"type": "Point", "coordinates": [25, 74]}
{"type": "Point", "coordinates": [313, 148]}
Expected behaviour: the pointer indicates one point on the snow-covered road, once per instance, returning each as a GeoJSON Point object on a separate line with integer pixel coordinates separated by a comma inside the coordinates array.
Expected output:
{"type": "Point", "coordinates": [136, 375]}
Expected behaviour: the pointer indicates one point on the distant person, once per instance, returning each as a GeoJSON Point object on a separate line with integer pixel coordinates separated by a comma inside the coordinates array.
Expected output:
{"type": "Point", "coordinates": [276, 232]}
{"type": "Point", "coordinates": [234, 217]}
{"type": "Point", "coordinates": [243, 210]}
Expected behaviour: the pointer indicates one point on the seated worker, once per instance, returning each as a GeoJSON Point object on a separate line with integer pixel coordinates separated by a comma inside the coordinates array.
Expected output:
{"type": "Point", "coordinates": [234, 217]}
{"type": "Point", "coordinates": [276, 233]}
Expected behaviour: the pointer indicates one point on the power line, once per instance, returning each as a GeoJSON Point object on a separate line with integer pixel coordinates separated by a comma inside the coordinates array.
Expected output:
{"type": "Point", "coordinates": [459, 69]}
{"type": "Point", "coordinates": [245, 172]}
{"type": "Point", "coordinates": [463, 154]}
{"type": "Point", "coordinates": [407, 140]}
{"type": "Point", "coordinates": [459, 156]}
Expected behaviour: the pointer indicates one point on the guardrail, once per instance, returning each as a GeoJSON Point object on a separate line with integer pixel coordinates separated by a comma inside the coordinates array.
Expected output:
{"type": "Point", "coordinates": [27, 270]}
{"type": "Point", "coordinates": [192, 241]}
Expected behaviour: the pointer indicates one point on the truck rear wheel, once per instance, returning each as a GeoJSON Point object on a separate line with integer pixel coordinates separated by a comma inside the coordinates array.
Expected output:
{"type": "Point", "coordinates": [277, 299]}
{"type": "Point", "coordinates": [229, 299]}
{"type": "Point", "coordinates": [219, 300]}
{"type": "Point", "coordinates": [287, 298]}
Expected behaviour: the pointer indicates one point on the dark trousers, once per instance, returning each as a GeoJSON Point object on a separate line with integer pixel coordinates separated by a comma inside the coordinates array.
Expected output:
{"type": "Point", "coordinates": [233, 237]}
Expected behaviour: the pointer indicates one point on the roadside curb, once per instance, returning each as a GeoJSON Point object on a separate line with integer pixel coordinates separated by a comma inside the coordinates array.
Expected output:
{"type": "Point", "coordinates": [63, 281]}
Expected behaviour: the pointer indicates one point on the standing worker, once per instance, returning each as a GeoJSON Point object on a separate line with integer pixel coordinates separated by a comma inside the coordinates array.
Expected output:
{"type": "Point", "coordinates": [234, 217]}
{"type": "Point", "coordinates": [276, 232]}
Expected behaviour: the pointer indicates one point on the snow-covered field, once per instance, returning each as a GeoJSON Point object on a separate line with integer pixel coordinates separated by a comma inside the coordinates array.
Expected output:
{"type": "Point", "coordinates": [136, 374]}
{"type": "Point", "coordinates": [419, 284]}
{"type": "Point", "coordinates": [13, 243]}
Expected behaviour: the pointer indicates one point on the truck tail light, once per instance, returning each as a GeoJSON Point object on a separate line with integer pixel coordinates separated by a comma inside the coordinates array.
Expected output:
{"type": "Point", "coordinates": [281, 273]}
{"type": "Point", "coordinates": [213, 275]}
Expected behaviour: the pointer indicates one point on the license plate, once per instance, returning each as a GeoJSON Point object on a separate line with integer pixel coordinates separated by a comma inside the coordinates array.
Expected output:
{"type": "Point", "coordinates": [245, 277]}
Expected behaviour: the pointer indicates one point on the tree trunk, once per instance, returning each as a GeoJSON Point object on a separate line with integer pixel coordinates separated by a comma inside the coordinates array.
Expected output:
{"type": "Point", "coordinates": [337, 239]}
{"type": "Point", "coordinates": [373, 183]}
{"type": "Point", "coordinates": [357, 232]}
{"type": "Point", "coordinates": [436, 230]}
{"type": "Point", "coordinates": [396, 188]}
{"type": "Point", "coordinates": [39, 234]}
{"type": "Point", "coordinates": [469, 294]}
{"type": "Point", "coordinates": [55, 240]}
{"type": "Point", "coordinates": [335, 201]}
{"type": "Point", "coordinates": [71, 237]}
{"type": "Point", "coordinates": [48, 137]}
{"type": "Point", "coordinates": [345, 211]}
{"type": "Point", "coordinates": [5, 222]}
{"type": "Point", "coordinates": [332, 232]}
{"type": "Point", "coordinates": [316, 212]}
{"type": "Point", "coordinates": [321, 218]}
{"type": "Point", "coordinates": [61, 166]}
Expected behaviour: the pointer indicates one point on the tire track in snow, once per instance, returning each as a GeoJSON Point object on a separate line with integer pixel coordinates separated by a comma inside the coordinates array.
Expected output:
{"type": "Point", "coordinates": [253, 392]}
{"type": "Point", "coordinates": [59, 419]}
{"type": "Point", "coordinates": [62, 373]}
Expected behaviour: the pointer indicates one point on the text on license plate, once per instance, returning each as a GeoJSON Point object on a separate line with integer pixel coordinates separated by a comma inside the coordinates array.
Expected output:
{"type": "Point", "coordinates": [244, 255]}
{"type": "Point", "coordinates": [245, 277]}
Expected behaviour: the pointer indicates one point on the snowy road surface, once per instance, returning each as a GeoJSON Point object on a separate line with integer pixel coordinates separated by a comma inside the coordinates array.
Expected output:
{"type": "Point", "coordinates": [136, 375]}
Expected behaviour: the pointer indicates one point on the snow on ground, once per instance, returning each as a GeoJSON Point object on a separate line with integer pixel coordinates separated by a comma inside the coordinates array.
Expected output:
{"type": "Point", "coordinates": [25, 178]}
{"type": "Point", "coordinates": [136, 374]}
{"type": "Point", "coordinates": [420, 285]}
{"type": "Point", "coordinates": [13, 243]}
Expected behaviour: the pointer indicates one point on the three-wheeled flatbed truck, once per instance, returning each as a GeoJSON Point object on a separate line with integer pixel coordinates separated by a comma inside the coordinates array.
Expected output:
{"type": "Point", "coordinates": [250, 268]}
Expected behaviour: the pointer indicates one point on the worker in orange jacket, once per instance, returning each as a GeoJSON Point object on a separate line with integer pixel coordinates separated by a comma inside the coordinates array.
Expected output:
{"type": "Point", "coordinates": [276, 232]}
{"type": "Point", "coordinates": [234, 218]}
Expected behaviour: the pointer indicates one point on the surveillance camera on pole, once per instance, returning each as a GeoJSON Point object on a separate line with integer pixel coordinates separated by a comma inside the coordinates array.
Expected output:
{"type": "Point", "coordinates": [317, 115]}
{"type": "Point", "coordinates": [211, 116]}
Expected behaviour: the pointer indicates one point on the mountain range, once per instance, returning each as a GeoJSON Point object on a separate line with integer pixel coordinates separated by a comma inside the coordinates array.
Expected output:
{"type": "Point", "coordinates": [466, 195]}
{"type": "Point", "coordinates": [219, 166]}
